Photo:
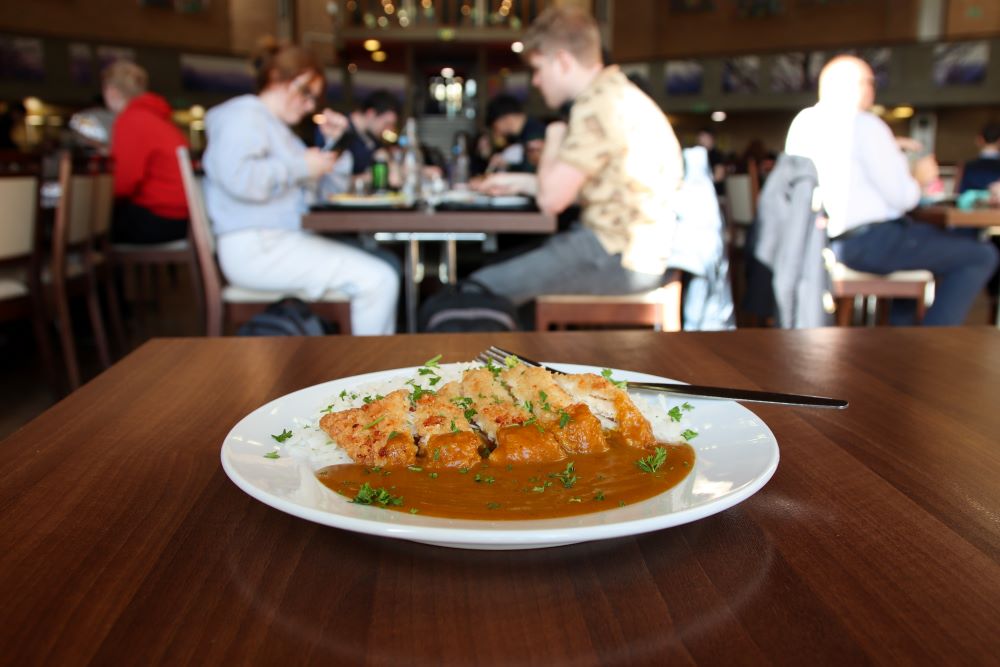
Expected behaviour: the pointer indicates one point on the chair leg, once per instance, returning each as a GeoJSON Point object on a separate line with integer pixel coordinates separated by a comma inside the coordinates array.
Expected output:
{"type": "Point", "coordinates": [40, 326]}
{"type": "Point", "coordinates": [65, 324]}
{"type": "Point", "coordinates": [845, 311]}
{"type": "Point", "coordinates": [97, 324]}
{"type": "Point", "coordinates": [115, 313]}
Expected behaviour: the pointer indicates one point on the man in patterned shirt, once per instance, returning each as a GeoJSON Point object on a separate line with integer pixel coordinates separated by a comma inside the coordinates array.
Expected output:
{"type": "Point", "coordinates": [617, 156]}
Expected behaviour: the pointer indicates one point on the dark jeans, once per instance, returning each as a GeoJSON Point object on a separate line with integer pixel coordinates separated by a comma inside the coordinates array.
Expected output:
{"type": "Point", "coordinates": [572, 262]}
{"type": "Point", "coordinates": [135, 224]}
{"type": "Point", "coordinates": [960, 263]}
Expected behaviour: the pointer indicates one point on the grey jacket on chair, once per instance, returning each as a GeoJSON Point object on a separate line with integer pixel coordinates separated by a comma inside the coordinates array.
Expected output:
{"type": "Point", "coordinates": [787, 248]}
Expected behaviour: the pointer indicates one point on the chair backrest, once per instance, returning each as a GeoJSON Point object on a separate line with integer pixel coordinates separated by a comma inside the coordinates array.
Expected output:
{"type": "Point", "coordinates": [740, 202]}
{"type": "Point", "coordinates": [201, 237]}
{"type": "Point", "coordinates": [103, 201]}
{"type": "Point", "coordinates": [18, 216]}
{"type": "Point", "coordinates": [73, 230]}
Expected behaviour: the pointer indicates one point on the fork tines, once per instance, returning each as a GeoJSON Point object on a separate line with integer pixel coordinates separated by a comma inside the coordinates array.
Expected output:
{"type": "Point", "coordinates": [499, 355]}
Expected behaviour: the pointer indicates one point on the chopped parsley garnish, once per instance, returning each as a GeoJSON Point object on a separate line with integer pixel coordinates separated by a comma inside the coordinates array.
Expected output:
{"type": "Point", "coordinates": [529, 406]}
{"type": "Point", "coordinates": [493, 506]}
{"type": "Point", "coordinates": [413, 510]}
{"type": "Point", "coordinates": [272, 455]}
{"type": "Point", "coordinates": [674, 413]}
{"type": "Point", "coordinates": [652, 462]}
{"type": "Point", "coordinates": [454, 429]}
{"type": "Point", "coordinates": [534, 422]}
{"type": "Point", "coordinates": [544, 401]}
{"type": "Point", "coordinates": [511, 360]}
{"type": "Point", "coordinates": [284, 435]}
{"type": "Point", "coordinates": [463, 471]}
{"type": "Point", "coordinates": [371, 495]}
{"type": "Point", "coordinates": [437, 454]}
{"type": "Point", "coordinates": [418, 391]}
{"type": "Point", "coordinates": [394, 434]}
{"type": "Point", "coordinates": [327, 410]}
{"type": "Point", "coordinates": [484, 478]}
{"type": "Point", "coordinates": [688, 434]}
{"type": "Point", "coordinates": [686, 407]}
{"type": "Point", "coordinates": [343, 394]}
{"type": "Point", "coordinates": [599, 495]}
{"type": "Point", "coordinates": [493, 368]}
{"type": "Point", "coordinates": [372, 399]}
{"type": "Point", "coordinates": [621, 384]}
{"type": "Point", "coordinates": [621, 503]}
{"type": "Point", "coordinates": [414, 468]}
{"type": "Point", "coordinates": [567, 476]}
{"type": "Point", "coordinates": [368, 426]}
{"type": "Point", "coordinates": [541, 488]}
{"type": "Point", "coordinates": [564, 418]}
{"type": "Point", "coordinates": [433, 362]}
{"type": "Point", "coordinates": [433, 475]}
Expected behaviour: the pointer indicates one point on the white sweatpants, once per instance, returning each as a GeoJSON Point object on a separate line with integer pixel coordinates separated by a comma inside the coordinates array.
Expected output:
{"type": "Point", "coordinates": [282, 259]}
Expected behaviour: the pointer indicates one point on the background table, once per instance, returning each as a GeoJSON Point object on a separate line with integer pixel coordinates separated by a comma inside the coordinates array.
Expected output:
{"type": "Point", "coordinates": [414, 226]}
{"type": "Point", "coordinates": [877, 540]}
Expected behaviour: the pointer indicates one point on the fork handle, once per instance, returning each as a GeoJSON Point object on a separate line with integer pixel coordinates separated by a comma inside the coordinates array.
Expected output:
{"type": "Point", "coordinates": [741, 394]}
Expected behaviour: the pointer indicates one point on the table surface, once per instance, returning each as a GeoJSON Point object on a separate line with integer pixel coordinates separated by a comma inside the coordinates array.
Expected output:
{"type": "Point", "coordinates": [497, 222]}
{"type": "Point", "coordinates": [877, 539]}
{"type": "Point", "coordinates": [950, 216]}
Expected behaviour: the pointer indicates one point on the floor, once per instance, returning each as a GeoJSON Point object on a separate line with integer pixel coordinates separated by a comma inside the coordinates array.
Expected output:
{"type": "Point", "coordinates": [25, 393]}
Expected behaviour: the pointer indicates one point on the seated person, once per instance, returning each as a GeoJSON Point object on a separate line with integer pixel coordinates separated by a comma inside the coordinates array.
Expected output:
{"type": "Point", "coordinates": [379, 112]}
{"type": "Point", "coordinates": [982, 172]}
{"type": "Point", "coordinates": [150, 204]}
{"type": "Point", "coordinates": [258, 174]}
{"type": "Point", "coordinates": [866, 189]}
{"type": "Point", "coordinates": [515, 133]}
{"type": "Point", "coordinates": [617, 153]}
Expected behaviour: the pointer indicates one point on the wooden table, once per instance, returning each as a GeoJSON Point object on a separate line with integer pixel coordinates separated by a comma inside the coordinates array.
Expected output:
{"type": "Point", "coordinates": [956, 218]}
{"type": "Point", "coordinates": [414, 226]}
{"type": "Point", "coordinates": [877, 540]}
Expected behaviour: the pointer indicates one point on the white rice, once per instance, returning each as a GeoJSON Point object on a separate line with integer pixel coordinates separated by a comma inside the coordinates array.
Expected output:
{"type": "Point", "coordinates": [310, 445]}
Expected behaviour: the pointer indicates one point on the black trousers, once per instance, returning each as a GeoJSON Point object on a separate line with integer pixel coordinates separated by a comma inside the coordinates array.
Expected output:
{"type": "Point", "coordinates": [135, 224]}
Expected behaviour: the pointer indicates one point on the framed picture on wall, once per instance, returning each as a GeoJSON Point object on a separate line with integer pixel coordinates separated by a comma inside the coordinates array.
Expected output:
{"type": "Point", "coordinates": [741, 75]}
{"type": "Point", "coordinates": [684, 77]}
{"type": "Point", "coordinates": [961, 63]}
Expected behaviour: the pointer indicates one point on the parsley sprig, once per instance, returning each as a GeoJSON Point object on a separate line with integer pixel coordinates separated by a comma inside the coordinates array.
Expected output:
{"type": "Point", "coordinates": [652, 462]}
{"type": "Point", "coordinates": [372, 495]}
{"type": "Point", "coordinates": [567, 476]}
{"type": "Point", "coordinates": [284, 435]}
{"type": "Point", "coordinates": [621, 384]}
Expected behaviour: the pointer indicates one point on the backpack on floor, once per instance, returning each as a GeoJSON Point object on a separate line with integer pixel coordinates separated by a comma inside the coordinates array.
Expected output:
{"type": "Point", "coordinates": [288, 317]}
{"type": "Point", "coordinates": [467, 307]}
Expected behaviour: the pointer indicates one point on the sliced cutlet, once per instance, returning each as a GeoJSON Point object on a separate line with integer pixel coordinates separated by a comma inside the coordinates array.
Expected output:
{"type": "Point", "coordinates": [445, 438]}
{"type": "Point", "coordinates": [376, 434]}
{"type": "Point", "coordinates": [570, 421]}
{"type": "Point", "coordinates": [611, 405]}
{"type": "Point", "coordinates": [519, 436]}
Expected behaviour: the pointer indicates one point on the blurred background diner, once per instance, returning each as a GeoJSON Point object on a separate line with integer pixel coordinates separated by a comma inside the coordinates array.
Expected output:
{"type": "Point", "coordinates": [841, 166]}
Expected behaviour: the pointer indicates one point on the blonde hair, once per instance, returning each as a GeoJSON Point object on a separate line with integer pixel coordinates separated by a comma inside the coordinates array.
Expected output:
{"type": "Point", "coordinates": [569, 28]}
{"type": "Point", "coordinates": [280, 62]}
{"type": "Point", "coordinates": [126, 77]}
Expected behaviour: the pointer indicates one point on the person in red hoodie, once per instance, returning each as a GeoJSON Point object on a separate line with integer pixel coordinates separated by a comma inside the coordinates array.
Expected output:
{"type": "Point", "coordinates": [150, 206]}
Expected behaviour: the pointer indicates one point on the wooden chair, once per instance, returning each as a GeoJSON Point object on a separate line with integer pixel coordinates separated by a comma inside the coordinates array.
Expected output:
{"type": "Point", "coordinates": [866, 289]}
{"type": "Point", "coordinates": [659, 308]}
{"type": "Point", "coordinates": [71, 265]}
{"type": "Point", "coordinates": [235, 305]}
{"type": "Point", "coordinates": [21, 294]}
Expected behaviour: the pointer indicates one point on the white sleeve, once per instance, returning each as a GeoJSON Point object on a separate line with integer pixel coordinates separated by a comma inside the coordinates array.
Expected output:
{"type": "Point", "coordinates": [339, 180]}
{"type": "Point", "coordinates": [885, 165]}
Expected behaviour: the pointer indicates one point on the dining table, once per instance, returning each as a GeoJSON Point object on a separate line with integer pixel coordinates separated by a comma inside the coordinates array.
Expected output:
{"type": "Point", "coordinates": [876, 541]}
{"type": "Point", "coordinates": [414, 226]}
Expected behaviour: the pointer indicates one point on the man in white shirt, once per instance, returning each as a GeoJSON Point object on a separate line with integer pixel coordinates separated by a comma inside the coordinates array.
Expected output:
{"type": "Point", "coordinates": [866, 188]}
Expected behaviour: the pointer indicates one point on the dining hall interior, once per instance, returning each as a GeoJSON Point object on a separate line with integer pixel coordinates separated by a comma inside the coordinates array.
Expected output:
{"type": "Point", "coordinates": [212, 207]}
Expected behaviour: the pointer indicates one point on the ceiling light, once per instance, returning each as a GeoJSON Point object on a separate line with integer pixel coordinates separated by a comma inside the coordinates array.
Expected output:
{"type": "Point", "coordinates": [447, 72]}
{"type": "Point", "coordinates": [379, 56]}
{"type": "Point", "coordinates": [718, 116]}
{"type": "Point", "coordinates": [382, 22]}
{"type": "Point", "coordinates": [372, 45]}
{"type": "Point", "coordinates": [902, 112]}
{"type": "Point", "coordinates": [517, 47]}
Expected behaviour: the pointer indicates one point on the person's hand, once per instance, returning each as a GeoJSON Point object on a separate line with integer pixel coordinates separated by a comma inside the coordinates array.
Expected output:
{"type": "Point", "coordinates": [496, 163]}
{"type": "Point", "coordinates": [334, 124]}
{"type": "Point", "coordinates": [909, 145]}
{"type": "Point", "coordinates": [926, 171]}
{"type": "Point", "coordinates": [508, 184]}
{"type": "Point", "coordinates": [319, 162]}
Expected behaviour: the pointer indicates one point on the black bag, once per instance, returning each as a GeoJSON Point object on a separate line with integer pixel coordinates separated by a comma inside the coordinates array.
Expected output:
{"type": "Point", "coordinates": [466, 307]}
{"type": "Point", "coordinates": [288, 317]}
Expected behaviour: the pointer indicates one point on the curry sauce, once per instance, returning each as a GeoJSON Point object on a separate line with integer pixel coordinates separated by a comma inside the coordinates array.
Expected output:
{"type": "Point", "coordinates": [494, 490]}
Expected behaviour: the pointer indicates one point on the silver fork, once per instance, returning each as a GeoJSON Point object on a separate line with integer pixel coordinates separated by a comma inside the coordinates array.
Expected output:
{"type": "Point", "coordinates": [498, 355]}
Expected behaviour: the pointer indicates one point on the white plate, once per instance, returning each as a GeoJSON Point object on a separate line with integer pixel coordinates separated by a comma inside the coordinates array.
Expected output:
{"type": "Point", "coordinates": [736, 454]}
{"type": "Point", "coordinates": [367, 201]}
{"type": "Point", "coordinates": [509, 201]}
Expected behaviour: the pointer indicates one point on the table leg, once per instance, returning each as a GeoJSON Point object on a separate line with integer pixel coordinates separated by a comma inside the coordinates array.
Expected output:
{"type": "Point", "coordinates": [411, 264]}
{"type": "Point", "coordinates": [451, 259]}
